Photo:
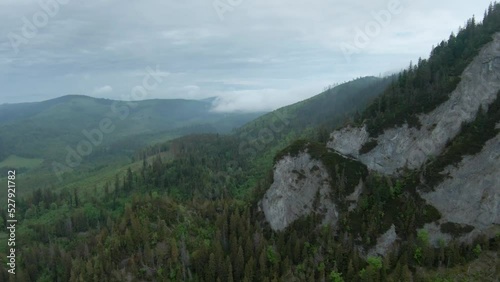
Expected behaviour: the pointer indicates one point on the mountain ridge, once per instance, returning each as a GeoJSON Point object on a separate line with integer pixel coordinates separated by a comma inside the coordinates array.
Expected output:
{"type": "Point", "coordinates": [425, 189]}
{"type": "Point", "coordinates": [210, 207]}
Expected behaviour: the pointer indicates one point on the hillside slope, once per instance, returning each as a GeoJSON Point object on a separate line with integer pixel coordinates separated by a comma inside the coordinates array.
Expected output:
{"type": "Point", "coordinates": [245, 156]}
{"type": "Point", "coordinates": [319, 216]}
{"type": "Point", "coordinates": [55, 124]}
{"type": "Point", "coordinates": [432, 171]}
{"type": "Point", "coordinates": [409, 147]}
{"type": "Point", "coordinates": [321, 109]}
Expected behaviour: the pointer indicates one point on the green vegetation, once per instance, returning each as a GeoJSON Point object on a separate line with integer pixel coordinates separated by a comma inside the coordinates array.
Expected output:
{"type": "Point", "coordinates": [470, 141]}
{"type": "Point", "coordinates": [35, 136]}
{"type": "Point", "coordinates": [484, 269]}
{"type": "Point", "coordinates": [368, 146]}
{"type": "Point", "coordinates": [58, 123]}
{"type": "Point", "coordinates": [424, 86]}
{"type": "Point", "coordinates": [187, 209]}
{"type": "Point", "coordinates": [345, 173]}
{"type": "Point", "coordinates": [312, 119]}
{"type": "Point", "coordinates": [336, 277]}
{"type": "Point", "coordinates": [456, 229]}
{"type": "Point", "coordinates": [328, 109]}
{"type": "Point", "coordinates": [239, 162]}
{"type": "Point", "coordinates": [140, 231]}
{"type": "Point", "coordinates": [20, 163]}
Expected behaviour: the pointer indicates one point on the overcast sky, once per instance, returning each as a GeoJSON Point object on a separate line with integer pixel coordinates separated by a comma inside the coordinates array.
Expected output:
{"type": "Point", "coordinates": [253, 54]}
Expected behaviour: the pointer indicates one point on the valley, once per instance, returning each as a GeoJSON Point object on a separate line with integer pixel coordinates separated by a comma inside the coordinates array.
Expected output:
{"type": "Point", "coordinates": [390, 178]}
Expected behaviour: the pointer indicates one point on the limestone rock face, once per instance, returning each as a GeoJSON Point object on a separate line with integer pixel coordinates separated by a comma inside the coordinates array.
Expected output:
{"type": "Point", "coordinates": [349, 140]}
{"type": "Point", "coordinates": [468, 198]}
{"type": "Point", "coordinates": [384, 243]}
{"type": "Point", "coordinates": [299, 182]}
{"type": "Point", "coordinates": [411, 147]}
{"type": "Point", "coordinates": [471, 195]}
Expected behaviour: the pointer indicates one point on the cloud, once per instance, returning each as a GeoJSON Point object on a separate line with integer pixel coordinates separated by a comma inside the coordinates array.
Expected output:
{"type": "Point", "coordinates": [249, 100]}
{"type": "Point", "coordinates": [263, 55]}
{"type": "Point", "coordinates": [263, 100]}
{"type": "Point", "coordinates": [103, 90]}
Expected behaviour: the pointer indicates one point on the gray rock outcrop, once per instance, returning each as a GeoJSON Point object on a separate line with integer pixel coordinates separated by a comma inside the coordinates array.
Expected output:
{"type": "Point", "coordinates": [468, 198]}
{"type": "Point", "coordinates": [411, 147]}
{"type": "Point", "coordinates": [471, 195]}
{"type": "Point", "coordinates": [298, 182]}
{"type": "Point", "coordinates": [384, 243]}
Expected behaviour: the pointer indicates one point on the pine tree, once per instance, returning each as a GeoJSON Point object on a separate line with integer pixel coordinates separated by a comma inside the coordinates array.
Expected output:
{"type": "Point", "coordinates": [211, 271]}
{"type": "Point", "coordinates": [229, 270]}
{"type": "Point", "coordinates": [239, 264]}
{"type": "Point", "coordinates": [249, 269]}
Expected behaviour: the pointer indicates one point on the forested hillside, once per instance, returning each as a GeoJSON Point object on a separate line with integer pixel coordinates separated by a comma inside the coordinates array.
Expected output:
{"type": "Point", "coordinates": [39, 138]}
{"type": "Point", "coordinates": [55, 123]}
{"type": "Point", "coordinates": [428, 83]}
{"type": "Point", "coordinates": [198, 216]}
{"type": "Point", "coordinates": [234, 164]}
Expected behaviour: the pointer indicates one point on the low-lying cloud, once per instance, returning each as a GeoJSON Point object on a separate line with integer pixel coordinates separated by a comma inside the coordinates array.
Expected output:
{"type": "Point", "coordinates": [103, 90]}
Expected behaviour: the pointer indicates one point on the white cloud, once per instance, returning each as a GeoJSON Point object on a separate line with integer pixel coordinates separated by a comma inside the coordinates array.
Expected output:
{"type": "Point", "coordinates": [103, 90]}
{"type": "Point", "coordinates": [262, 100]}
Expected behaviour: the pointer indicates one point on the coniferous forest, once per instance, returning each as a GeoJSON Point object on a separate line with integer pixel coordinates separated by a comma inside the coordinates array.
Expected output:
{"type": "Point", "coordinates": [188, 209]}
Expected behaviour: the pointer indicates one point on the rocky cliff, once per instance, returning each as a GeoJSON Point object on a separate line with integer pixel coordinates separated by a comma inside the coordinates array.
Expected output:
{"type": "Point", "coordinates": [301, 186]}
{"type": "Point", "coordinates": [403, 146]}
{"type": "Point", "coordinates": [468, 198]}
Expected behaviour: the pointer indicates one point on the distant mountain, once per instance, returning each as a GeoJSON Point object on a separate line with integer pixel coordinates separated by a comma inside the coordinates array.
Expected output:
{"type": "Point", "coordinates": [400, 183]}
{"type": "Point", "coordinates": [44, 129]}
{"type": "Point", "coordinates": [210, 99]}
{"type": "Point", "coordinates": [313, 118]}
{"type": "Point", "coordinates": [252, 147]}
{"type": "Point", "coordinates": [326, 108]}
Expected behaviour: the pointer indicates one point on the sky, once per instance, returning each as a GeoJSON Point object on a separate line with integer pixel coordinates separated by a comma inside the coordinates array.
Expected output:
{"type": "Point", "coordinates": [254, 55]}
